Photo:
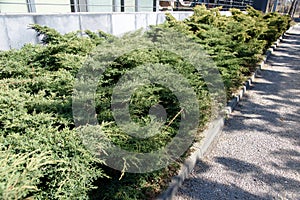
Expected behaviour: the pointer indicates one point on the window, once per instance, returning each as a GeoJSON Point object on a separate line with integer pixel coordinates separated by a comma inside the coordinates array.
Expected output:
{"type": "Point", "coordinates": [52, 6]}
{"type": "Point", "coordinates": [146, 5]}
{"type": "Point", "coordinates": [129, 5]}
{"type": "Point", "coordinates": [102, 6]}
{"type": "Point", "coordinates": [13, 6]}
{"type": "Point", "coordinates": [65, 6]}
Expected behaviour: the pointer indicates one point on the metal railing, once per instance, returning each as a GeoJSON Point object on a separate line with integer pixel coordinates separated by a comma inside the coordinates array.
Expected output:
{"type": "Point", "coordinates": [225, 4]}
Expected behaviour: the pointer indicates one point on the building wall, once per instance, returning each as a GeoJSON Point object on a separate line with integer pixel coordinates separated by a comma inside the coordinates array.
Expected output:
{"type": "Point", "coordinates": [59, 6]}
{"type": "Point", "coordinates": [15, 33]}
{"type": "Point", "coordinates": [64, 6]}
{"type": "Point", "coordinates": [16, 6]}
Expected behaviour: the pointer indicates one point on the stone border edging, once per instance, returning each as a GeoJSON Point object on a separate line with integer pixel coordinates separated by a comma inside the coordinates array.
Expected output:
{"type": "Point", "coordinates": [212, 133]}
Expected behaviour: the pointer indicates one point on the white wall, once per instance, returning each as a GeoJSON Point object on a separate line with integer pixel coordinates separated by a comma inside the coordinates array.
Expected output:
{"type": "Point", "coordinates": [15, 33]}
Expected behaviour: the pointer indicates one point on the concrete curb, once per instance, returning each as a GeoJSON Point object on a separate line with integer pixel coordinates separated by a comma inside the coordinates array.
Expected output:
{"type": "Point", "coordinates": [212, 133]}
{"type": "Point", "coordinates": [199, 150]}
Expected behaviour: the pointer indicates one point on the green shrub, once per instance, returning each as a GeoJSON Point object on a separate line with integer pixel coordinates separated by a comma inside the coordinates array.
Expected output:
{"type": "Point", "coordinates": [42, 154]}
{"type": "Point", "coordinates": [45, 158]}
{"type": "Point", "coordinates": [235, 42]}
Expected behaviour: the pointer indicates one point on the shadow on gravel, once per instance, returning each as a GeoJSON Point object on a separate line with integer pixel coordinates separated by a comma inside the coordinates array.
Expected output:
{"type": "Point", "coordinates": [292, 163]}
{"type": "Point", "coordinates": [236, 165]}
{"type": "Point", "coordinates": [278, 183]}
{"type": "Point", "coordinates": [200, 188]}
{"type": "Point", "coordinates": [204, 189]}
{"type": "Point", "coordinates": [279, 109]}
{"type": "Point", "coordinates": [280, 92]}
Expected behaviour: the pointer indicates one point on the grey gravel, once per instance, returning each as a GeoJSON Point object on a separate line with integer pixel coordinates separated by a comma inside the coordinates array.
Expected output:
{"type": "Point", "coordinates": [258, 153]}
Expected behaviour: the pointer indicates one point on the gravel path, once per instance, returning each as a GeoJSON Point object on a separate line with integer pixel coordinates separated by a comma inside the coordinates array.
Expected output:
{"type": "Point", "coordinates": [258, 154]}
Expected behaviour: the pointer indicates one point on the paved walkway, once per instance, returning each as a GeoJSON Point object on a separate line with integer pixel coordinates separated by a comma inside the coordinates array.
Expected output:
{"type": "Point", "coordinates": [258, 154]}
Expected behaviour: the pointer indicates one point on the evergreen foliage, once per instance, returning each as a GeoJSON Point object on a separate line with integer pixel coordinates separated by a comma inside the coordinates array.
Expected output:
{"type": "Point", "coordinates": [235, 42]}
{"type": "Point", "coordinates": [41, 153]}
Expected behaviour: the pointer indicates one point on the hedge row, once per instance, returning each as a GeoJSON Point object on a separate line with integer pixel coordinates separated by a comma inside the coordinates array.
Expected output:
{"type": "Point", "coordinates": [42, 155]}
{"type": "Point", "coordinates": [236, 43]}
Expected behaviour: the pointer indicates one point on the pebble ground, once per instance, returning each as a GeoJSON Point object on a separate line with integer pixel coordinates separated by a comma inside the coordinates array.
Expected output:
{"type": "Point", "coordinates": [258, 153]}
